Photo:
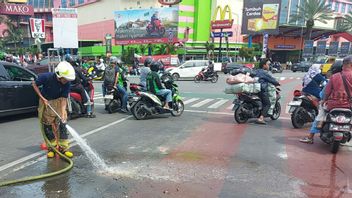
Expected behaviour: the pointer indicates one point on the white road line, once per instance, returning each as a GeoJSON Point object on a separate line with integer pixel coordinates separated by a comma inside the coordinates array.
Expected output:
{"type": "Point", "coordinates": [298, 78]}
{"type": "Point", "coordinates": [39, 153]}
{"type": "Point", "coordinates": [218, 104]}
{"type": "Point", "coordinates": [230, 107]}
{"type": "Point", "coordinates": [96, 95]}
{"type": "Point", "coordinates": [282, 78]}
{"type": "Point", "coordinates": [287, 110]}
{"type": "Point", "coordinates": [97, 98]}
{"type": "Point", "coordinates": [201, 103]}
{"type": "Point", "coordinates": [190, 100]}
{"type": "Point", "coordinates": [291, 78]}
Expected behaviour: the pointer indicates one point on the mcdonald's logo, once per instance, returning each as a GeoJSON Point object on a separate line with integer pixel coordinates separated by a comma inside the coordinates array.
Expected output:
{"type": "Point", "coordinates": [223, 23]}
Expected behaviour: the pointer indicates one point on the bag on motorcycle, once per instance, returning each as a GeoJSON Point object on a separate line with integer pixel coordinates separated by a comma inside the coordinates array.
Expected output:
{"type": "Point", "coordinates": [109, 75]}
{"type": "Point", "coordinates": [243, 88]}
{"type": "Point", "coordinates": [239, 78]}
{"type": "Point", "coordinates": [272, 98]}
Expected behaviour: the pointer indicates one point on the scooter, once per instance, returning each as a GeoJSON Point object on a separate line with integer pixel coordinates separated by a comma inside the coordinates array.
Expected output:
{"type": "Point", "coordinates": [336, 129]}
{"type": "Point", "coordinates": [248, 106]}
{"type": "Point", "coordinates": [97, 75]}
{"type": "Point", "coordinates": [159, 28]}
{"type": "Point", "coordinates": [76, 108]}
{"type": "Point", "coordinates": [149, 104]}
{"type": "Point", "coordinates": [276, 67]}
{"type": "Point", "coordinates": [201, 77]}
{"type": "Point", "coordinates": [303, 109]}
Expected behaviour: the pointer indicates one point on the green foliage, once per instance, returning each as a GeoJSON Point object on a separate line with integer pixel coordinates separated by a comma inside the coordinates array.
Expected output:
{"type": "Point", "coordinates": [246, 52]}
{"type": "Point", "coordinates": [128, 55]}
{"type": "Point", "coordinates": [143, 49]}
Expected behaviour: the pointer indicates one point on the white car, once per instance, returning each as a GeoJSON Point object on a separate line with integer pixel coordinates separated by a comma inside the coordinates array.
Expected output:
{"type": "Point", "coordinates": [189, 69]}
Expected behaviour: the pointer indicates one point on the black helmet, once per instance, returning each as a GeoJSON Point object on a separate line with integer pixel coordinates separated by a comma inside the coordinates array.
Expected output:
{"type": "Point", "coordinates": [155, 66]}
{"type": "Point", "coordinates": [68, 58]}
{"type": "Point", "coordinates": [336, 67]}
{"type": "Point", "coordinates": [148, 61]}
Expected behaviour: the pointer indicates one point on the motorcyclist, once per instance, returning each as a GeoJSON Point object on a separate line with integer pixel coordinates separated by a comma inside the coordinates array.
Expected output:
{"type": "Point", "coordinates": [154, 85]}
{"type": "Point", "coordinates": [313, 81]}
{"type": "Point", "coordinates": [54, 92]}
{"type": "Point", "coordinates": [145, 69]}
{"type": "Point", "coordinates": [209, 69]}
{"type": "Point", "coordinates": [264, 78]}
{"type": "Point", "coordinates": [153, 19]}
{"type": "Point", "coordinates": [100, 66]}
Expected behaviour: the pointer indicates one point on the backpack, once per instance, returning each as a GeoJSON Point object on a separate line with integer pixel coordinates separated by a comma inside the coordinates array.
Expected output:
{"type": "Point", "coordinates": [109, 75]}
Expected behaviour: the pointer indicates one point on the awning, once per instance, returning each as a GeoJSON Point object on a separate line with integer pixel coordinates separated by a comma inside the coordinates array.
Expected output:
{"type": "Point", "coordinates": [299, 31]}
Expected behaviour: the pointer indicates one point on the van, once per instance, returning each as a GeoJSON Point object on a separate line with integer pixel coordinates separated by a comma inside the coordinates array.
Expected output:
{"type": "Point", "coordinates": [189, 69]}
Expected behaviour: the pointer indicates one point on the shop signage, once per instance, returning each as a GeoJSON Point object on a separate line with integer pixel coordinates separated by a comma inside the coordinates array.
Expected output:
{"type": "Point", "coordinates": [333, 47]}
{"type": "Point", "coordinates": [16, 1]}
{"type": "Point", "coordinates": [284, 46]}
{"type": "Point", "coordinates": [222, 23]}
{"type": "Point", "coordinates": [345, 48]}
{"type": "Point", "coordinates": [321, 48]}
{"type": "Point", "coordinates": [169, 2]}
{"type": "Point", "coordinates": [37, 28]}
{"type": "Point", "coordinates": [260, 16]}
{"type": "Point", "coordinates": [221, 34]}
{"type": "Point", "coordinates": [16, 9]}
{"type": "Point", "coordinates": [308, 48]}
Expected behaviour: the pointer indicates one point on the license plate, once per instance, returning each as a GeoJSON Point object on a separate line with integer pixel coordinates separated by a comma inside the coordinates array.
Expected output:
{"type": "Point", "coordinates": [335, 127]}
{"type": "Point", "coordinates": [295, 103]}
{"type": "Point", "coordinates": [109, 97]}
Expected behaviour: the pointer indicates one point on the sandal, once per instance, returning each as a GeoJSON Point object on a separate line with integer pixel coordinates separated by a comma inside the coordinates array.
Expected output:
{"type": "Point", "coordinates": [307, 140]}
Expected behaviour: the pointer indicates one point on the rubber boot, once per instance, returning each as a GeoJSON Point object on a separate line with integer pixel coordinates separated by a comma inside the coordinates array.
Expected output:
{"type": "Point", "coordinates": [64, 145]}
{"type": "Point", "coordinates": [51, 153]}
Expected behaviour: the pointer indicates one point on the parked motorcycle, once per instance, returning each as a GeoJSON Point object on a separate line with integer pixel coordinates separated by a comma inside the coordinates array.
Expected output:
{"type": "Point", "coordinates": [303, 109]}
{"type": "Point", "coordinates": [337, 128]}
{"type": "Point", "coordinates": [159, 28]}
{"type": "Point", "coordinates": [149, 104]}
{"type": "Point", "coordinates": [248, 106]}
{"type": "Point", "coordinates": [276, 67]}
{"type": "Point", "coordinates": [201, 76]}
{"type": "Point", "coordinates": [76, 108]}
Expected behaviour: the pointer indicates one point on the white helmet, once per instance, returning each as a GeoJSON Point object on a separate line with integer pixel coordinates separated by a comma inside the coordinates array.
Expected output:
{"type": "Point", "coordinates": [65, 70]}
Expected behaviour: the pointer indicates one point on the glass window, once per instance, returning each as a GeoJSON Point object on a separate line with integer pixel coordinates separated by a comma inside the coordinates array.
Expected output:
{"type": "Point", "coordinates": [41, 3]}
{"type": "Point", "coordinates": [336, 7]}
{"type": "Point", "coordinates": [189, 64]}
{"type": "Point", "coordinates": [18, 74]}
{"type": "Point", "coordinates": [72, 3]}
{"type": "Point", "coordinates": [329, 3]}
{"type": "Point", "coordinates": [80, 1]}
{"type": "Point", "coordinates": [343, 7]}
{"type": "Point", "coordinates": [284, 11]}
{"type": "Point", "coordinates": [63, 4]}
{"type": "Point", "coordinates": [350, 8]}
{"type": "Point", "coordinates": [201, 64]}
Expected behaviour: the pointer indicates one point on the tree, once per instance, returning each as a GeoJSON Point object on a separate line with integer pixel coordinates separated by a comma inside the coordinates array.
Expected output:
{"type": "Point", "coordinates": [13, 33]}
{"type": "Point", "coordinates": [209, 47]}
{"type": "Point", "coordinates": [142, 49]}
{"type": "Point", "coordinates": [311, 11]}
{"type": "Point", "coordinates": [246, 52]}
{"type": "Point", "coordinates": [345, 23]}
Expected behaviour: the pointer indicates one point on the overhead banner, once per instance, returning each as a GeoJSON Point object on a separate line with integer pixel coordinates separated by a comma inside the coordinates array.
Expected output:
{"type": "Point", "coordinates": [345, 49]}
{"type": "Point", "coordinates": [321, 48]}
{"type": "Point", "coordinates": [333, 47]}
{"type": "Point", "coordinates": [146, 26]}
{"type": "Point", "coordinates": [37, 28]}
{"type": "Point", "coordinates": [308, 48]}
{"type": "Point", "coordinates": [65, 27]}
{"type": "Point", "coordinates": [259, 16]}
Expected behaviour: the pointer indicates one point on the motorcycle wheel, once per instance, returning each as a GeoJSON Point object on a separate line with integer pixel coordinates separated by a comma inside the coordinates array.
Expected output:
{"type": "Point", "coordinates": [197, 79]}
{"type": "Point", "coordinates": [240, 117]}
{"type": "Point", "coordinates": [114, 106]}
{"type": "Point", "coordinates": [162, 31]}
{"type": "Point", "coordinates": [335, 147]}
{"type": "Point", "coordinates": [214, 79]}
{"type": "Point", "coordinates": [296, 118]}
{"type": "Point", "coordinates": [178, 108]}
{"type": "Point", "coordinates": [276, 112]}
{"type": "Point", "coordinates": [138, 112]}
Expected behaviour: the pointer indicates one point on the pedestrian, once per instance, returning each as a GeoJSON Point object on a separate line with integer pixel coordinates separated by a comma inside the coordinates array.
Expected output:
{"type": "Point", "coordinates": [54, 94]}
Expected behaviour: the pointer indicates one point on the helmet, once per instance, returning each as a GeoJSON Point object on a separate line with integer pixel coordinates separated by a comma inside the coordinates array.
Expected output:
{"type": "Point", "coordinates": [101, 60]}
{"type": "Point", "coordinates": [148, 61]}
{"type": "Point", "coordinates": [155, 66]}
{"type": "Point", "coordinates": [115, 60]}
{"type": "Point", "coordinates": [68, 58]}
{"type": "Point", "coordinates": [65, 70]}
{"type": "Point", "coordinates": [336, 67]}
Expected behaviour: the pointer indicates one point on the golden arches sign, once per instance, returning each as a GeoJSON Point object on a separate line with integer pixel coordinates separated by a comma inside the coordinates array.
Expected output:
{"type": "Point", "coordinates": [223, 23]}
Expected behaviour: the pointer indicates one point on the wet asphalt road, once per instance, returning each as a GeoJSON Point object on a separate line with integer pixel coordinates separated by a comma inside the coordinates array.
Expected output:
{"type": "Point", "coordinates": [203, 153]}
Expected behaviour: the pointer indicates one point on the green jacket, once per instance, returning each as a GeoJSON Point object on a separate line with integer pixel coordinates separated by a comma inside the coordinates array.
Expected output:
{"type": "Point", "coordinates": [153, 82]}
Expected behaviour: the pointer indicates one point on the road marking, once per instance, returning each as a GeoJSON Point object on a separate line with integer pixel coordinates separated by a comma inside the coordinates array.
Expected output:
{"type": "Point", "coordinates": [291, 78]}
{"type": "Point", "coordinates": [97, 98]}
{"type": "Point", "coordinates": [282, 78]}
{"type": "Point", "coordinates": [230, 107]}
{"type": "Point", "coordinates": [96, 95]}
{"type": "Point", "coordinates": [190, 100]}
{"type": "Point", "coordinates": [287, 110]}
{"type": "Point", "coordinates": [298, 78]}
{"type": "Point", "coordinates": [218, 104]}
{"type": "Point", "coordinates": [203, 102]}
{"type": "Point", "coordinates": [39, 153]}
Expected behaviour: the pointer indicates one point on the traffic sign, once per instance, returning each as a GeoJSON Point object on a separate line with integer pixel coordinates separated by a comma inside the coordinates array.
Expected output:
{"type": "Point", "coordinates": [221, 34]}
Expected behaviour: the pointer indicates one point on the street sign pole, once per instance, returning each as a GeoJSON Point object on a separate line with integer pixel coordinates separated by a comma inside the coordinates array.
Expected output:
{"type": "Point", "coordinates": [220, 46]}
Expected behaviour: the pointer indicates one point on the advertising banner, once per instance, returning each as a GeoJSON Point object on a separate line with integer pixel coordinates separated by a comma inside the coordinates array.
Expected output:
{"type": "Point", "coordinates": [345, 49]}
{"type": "Point", "coordinates": [265, 45]}
{"type": "Point", "coordinates": [321, 48]}
{"type": "Point", "coordinates": [259, 16]}
{"type": "Point", "coordinates": [16, 9]}
{"type": "Point", "coordinates": [225, 21]}
{"type": "Point", "coordinates": [37, 28]}
{"type": "Point", "coordinates": [308, 48]}
{"type": "Point", "coordinates": [333, 48]}
{"type": "Point", "coordinates": [65, 27]}
{"type": "Point", "coordinates": [146, 26]}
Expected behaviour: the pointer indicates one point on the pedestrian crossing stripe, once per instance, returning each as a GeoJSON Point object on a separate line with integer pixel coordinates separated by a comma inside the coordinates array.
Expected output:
{"type": "Point", "coordinates": [218, 104]}
{"type": "Point", "coordinates": [190, 100]}
{"type": "Point", "coordinates": [202, 103]}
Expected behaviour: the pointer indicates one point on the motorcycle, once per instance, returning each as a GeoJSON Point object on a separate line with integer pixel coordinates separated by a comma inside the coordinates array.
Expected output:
{"type": "Point", "coordinates": [303, 109]}
{"type": "Point", "coordinates": [201, 76]}
{"type": "Point", "coordinates": [76, 108]}
{"type": "Point", "coordinates": [336, 129]}
{"type": "Point", "coordinates": [276, 67]}
{"type": "Point", "coordinates": [149, 104]}
{"type": "Point", "coordinates": [158, 29]}
{"type": "Point", "coordinates": [97, 75]}
{"type": "Point", "coordinates": [248, 106]}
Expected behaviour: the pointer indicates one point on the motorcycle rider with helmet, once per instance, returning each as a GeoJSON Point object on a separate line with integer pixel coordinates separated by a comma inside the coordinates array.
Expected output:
{"type": "Point", "coordinates": [153, 19]}
{"type": "Point", "coordinates": [264, 79]}
{"type": "Point", "coordinates": [145, 69]}
{"type": "Point", "coordinates": [54, 92]}
{"type": "Point", "coordinates": [313, 80]}
{"type": "Point", "coordinates": [209, 70]}
{"type": "Point", "coordinates": [154, 85]}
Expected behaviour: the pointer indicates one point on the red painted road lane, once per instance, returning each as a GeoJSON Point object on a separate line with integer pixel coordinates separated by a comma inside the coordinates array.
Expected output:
{"type": "Point", "coordinates": [198, 166]}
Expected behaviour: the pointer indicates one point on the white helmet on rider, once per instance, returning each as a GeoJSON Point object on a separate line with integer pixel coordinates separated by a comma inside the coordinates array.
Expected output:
{"type": "Point", "coordinates": [65, 70]}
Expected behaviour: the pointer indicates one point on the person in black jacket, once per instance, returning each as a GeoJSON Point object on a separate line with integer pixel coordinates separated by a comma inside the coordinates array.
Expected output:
{"type": "Point", "coordinates": [264, 79]}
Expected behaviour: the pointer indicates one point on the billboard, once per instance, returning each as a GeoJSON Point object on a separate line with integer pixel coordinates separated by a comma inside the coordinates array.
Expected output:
{"type": "Point", "coordinates": [345, 49]}
{"type": "Point", "coordinates": [146, 26]}
{"type": "Point", "coordinates": [308, 48]}
{"type": "Point", "coordinates": [65, 27]}
{"type": "Point", "coordinates": [333, 48]}
{"type": "Point", "coordinates": [37, 28]}
{"type": "Point", "coordinates": [259, 16]}
{"type": "Point", "coordinates": [321, 48]}
{"type": "Point", "coordinates": [16, 9]}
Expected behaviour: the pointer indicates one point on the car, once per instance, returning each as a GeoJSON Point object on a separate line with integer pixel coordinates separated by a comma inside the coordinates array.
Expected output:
{"type": "Point", "coordinates": [40, 67]}
{"type": "Point", "coordinates": [301, 66]}
{"type": "Point", "coordinates": [16, 92]}
{"type": "Point", "coordinates": [188, 69]}
{"type": "Point", "coordinates": [231, 66]}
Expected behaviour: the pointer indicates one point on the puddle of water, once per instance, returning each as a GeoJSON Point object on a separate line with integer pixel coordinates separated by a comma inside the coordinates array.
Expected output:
{"type": "Point", "coordinates": [92, 155]}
